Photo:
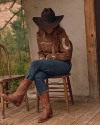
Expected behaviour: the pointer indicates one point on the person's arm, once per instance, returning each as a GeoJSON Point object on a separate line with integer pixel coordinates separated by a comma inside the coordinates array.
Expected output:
{"type": "Point", "coordinates": [65, 49]}
{"type": "Point", "coordinates": [40, 51]}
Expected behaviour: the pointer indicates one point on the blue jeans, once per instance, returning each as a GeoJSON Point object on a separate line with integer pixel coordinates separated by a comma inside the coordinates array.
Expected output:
{"type": "Point", "coordinates": [43, 69]}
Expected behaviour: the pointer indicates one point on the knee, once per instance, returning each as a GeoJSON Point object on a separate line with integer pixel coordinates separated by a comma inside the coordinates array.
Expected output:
{"type": "Point", "coordinates": [34, 63]}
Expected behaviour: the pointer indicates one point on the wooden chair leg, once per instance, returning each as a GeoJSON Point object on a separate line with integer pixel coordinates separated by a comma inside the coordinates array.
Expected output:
{"type": "Point", "coordinates": [2, 100]}
{"type": "Point", "coordinates": [26, 100]}
{"type": "Point", "coordinates": [6, 94]}
{"type": "Point", "coordinates": [47, 82]}
{"type": "Point", "coordinates": [37, 99]}
{"type": "Point", "coordinates": [70, 90]}
{"type": "Point", "coordinates": [66, 94]}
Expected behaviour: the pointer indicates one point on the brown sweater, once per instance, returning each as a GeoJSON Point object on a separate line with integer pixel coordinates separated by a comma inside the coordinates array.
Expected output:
{"type": "Point", "coordinates": [45, 46]}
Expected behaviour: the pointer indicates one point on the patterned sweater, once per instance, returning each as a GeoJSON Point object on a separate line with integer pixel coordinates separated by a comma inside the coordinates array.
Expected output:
{"type": "Point", "coordinates": [45, 46]}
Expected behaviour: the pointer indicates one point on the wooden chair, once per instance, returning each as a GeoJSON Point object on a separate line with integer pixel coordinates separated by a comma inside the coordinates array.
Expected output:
{"type": "Point", "coordinates": [66, 87]}
{"type": "Point", "coordinates": [6, 79]}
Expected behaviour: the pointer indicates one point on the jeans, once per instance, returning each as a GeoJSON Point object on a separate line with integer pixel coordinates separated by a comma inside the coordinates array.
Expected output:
{"type": "Point", "coordinates": [43, 69]}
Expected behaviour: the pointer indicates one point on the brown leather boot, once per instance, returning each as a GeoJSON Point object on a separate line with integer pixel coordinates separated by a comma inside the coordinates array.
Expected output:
{"type": "Point", "coordinates": [18, 96]}
{"type": "Point", "coordinates": [47, 111]}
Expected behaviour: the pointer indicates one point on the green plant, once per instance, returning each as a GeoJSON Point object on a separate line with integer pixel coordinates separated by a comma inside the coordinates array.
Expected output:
{"type": "Point", "coordinates": [16, 42]}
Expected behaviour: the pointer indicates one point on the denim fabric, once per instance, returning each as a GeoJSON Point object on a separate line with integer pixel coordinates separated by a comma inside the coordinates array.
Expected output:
{"type": "Point", "coordinates": [42, 69]}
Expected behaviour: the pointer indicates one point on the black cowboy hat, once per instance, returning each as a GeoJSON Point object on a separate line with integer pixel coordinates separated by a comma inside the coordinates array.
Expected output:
{"type": "Point", "coordinates": [48, 20]}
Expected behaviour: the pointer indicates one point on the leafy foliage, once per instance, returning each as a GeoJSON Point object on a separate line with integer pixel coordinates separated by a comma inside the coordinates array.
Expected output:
{"type": "Point", "coordinates": [5, 1]}
{"type": "Point", "coordinates": [19, 31]}
{"type": "Point", "coordinates": [16, 42]}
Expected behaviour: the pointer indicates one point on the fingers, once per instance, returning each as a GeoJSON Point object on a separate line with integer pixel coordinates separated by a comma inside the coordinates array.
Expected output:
{"type": "Point", "coordinates": [49, 57]}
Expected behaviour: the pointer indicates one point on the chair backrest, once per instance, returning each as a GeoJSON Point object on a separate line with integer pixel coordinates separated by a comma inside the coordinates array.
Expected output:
{"type": "Point", "coordinates": [1, 60]}
{"type": "Point", "coordinates": [71, 45]}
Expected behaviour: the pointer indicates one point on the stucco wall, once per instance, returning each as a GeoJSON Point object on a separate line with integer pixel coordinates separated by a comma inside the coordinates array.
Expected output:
{"type": "Point", "coordinates": [74, 24]}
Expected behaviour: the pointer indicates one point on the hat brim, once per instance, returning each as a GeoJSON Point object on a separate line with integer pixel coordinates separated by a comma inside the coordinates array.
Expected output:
{"type": "Point", "coordinates": [51, 25]}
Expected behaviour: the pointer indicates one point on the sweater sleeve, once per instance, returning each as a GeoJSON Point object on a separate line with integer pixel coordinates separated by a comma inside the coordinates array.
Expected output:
{"type": "Point", "coordinates": [40, 51]}
{"type": "Point", "coordinates": [65, 49]}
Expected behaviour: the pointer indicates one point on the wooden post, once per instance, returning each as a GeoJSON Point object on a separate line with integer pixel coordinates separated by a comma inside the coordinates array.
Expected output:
{"type": "Point", "coordinates": [91, 49]}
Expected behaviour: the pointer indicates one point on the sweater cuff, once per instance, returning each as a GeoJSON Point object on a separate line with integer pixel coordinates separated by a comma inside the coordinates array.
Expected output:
{"type": "Point", "coordinates": [41, 56]}
{"type": "Point", "coordinates": [57, 56]}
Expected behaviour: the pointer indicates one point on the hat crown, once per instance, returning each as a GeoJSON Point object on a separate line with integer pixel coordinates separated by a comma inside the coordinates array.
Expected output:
{"type": "Point", "coordinates": [48, 15]}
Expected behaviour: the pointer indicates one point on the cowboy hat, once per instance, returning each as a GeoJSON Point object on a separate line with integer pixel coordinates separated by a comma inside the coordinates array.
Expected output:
{"type": "Point", "coordinates": [48, 20]}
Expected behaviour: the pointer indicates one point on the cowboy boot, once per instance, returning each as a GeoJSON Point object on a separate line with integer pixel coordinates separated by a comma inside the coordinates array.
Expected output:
{"type": "Point", "coordinates": [47, 111]}
{"type": "Point", "coordinates": [18, 96]}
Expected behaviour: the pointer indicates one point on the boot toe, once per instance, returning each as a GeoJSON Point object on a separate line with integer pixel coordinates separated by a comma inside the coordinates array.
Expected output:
{"type": "Point", "coordinates": [40, 120]}
{"type": "Point", "coordinates": [6, 97]}
{"type": "Point", "coordinates": [10, 100]}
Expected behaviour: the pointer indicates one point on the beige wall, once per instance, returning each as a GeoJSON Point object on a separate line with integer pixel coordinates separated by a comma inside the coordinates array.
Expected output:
{"type": "Point", "coordinates": [74, 24]}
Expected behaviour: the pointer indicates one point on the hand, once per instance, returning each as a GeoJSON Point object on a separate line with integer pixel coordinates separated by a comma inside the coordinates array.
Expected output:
{"type": "Point", "coordinates": [62, 56]}
{"type": "Point", "coordinates": [42, 58]}
{"type": "Point", "coordinates": [49, 57]}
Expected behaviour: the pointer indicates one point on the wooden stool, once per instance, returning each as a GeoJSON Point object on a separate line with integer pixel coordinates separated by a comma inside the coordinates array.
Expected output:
{"type": "Point", "coordinates": [66, 87]}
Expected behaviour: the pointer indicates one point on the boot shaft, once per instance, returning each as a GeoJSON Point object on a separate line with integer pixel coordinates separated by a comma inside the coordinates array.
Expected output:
{"type": "Point", "coordinates": [45, 100]}
{"type": "Point", "coordinates": [23, 87]}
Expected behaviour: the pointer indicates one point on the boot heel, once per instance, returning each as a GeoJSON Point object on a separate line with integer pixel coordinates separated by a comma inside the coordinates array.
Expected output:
{"type": "Point", "coordinates": [50, 115]}
{"type": "Point", "coordinates": [17, 104]}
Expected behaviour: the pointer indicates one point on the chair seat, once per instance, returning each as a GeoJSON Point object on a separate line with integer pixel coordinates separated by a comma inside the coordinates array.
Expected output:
{"type": "Point", "coordinates": [11, 78]}
{"type": "Point", "coordinates": [64, 76]}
